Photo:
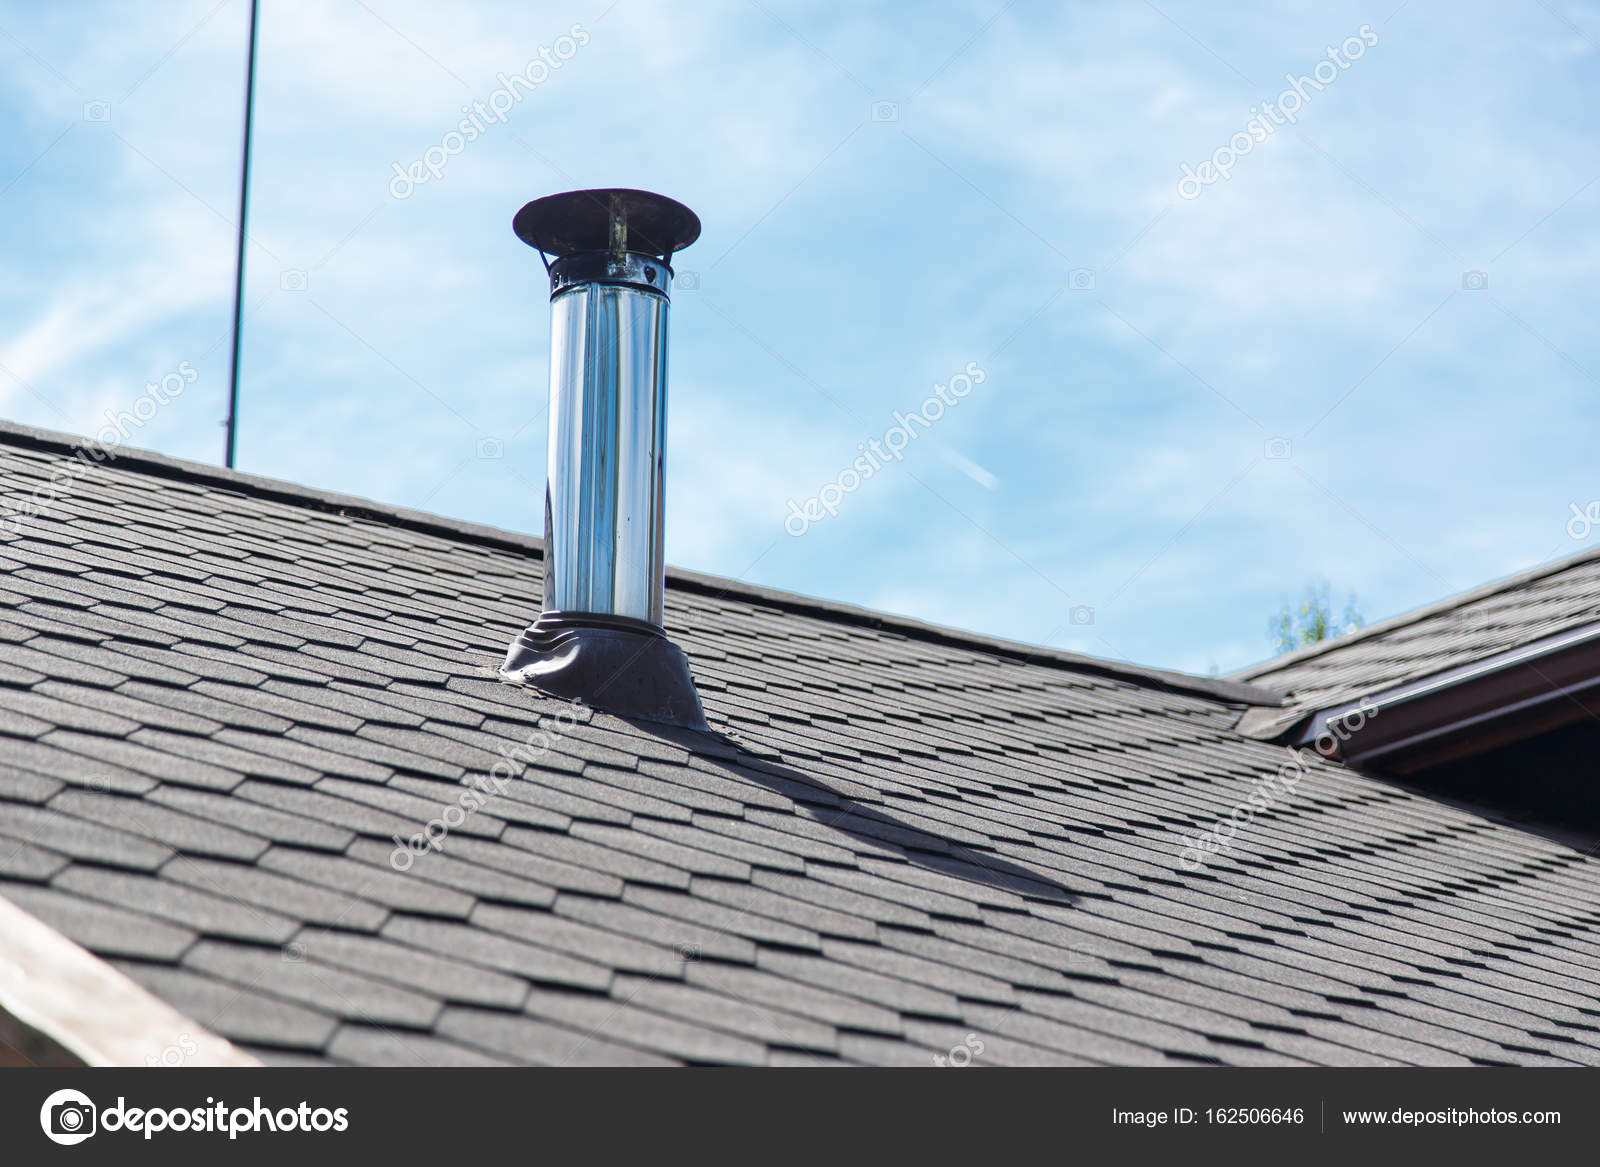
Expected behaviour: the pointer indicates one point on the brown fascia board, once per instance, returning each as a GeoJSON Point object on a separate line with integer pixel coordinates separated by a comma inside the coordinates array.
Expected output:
{"type": "Point", "coordinates": [62, 1006]}
{"type": "Point", "coordinates": [1518, 692]}
{"type": "Point", "coordinates": [1234, 692]}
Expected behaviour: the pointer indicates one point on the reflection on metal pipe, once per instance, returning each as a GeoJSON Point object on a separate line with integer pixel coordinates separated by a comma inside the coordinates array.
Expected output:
{"type": "Point", "coordinates": [604, 498]}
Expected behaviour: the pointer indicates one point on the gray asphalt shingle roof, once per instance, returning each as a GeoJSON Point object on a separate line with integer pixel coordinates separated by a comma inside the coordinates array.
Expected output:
{"type": "Point", "coordinates": [220, 699]}
{"type": "Point", "coordinates": [1554, 597]}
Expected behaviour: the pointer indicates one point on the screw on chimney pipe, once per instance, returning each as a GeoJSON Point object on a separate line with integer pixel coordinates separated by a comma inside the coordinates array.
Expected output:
{"type": "Point", "coordinates": [599, 637]}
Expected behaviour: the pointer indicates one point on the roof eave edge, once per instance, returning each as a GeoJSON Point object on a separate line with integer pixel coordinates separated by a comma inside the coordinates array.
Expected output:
{"type": "Point", "coordinates": [1432, 708]}
{"type": "Point", "coordinates": [61, 1005]}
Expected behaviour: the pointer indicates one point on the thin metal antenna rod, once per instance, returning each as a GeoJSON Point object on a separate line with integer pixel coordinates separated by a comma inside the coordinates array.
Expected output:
{"type": "Point", "coordinates": [238, 266]}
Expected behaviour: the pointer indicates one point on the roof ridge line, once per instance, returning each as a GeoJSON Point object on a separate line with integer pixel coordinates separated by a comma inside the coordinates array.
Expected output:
{"type": "Point", "coordinates": [838, 612]}
{"type": "Point", "coordinates": [1416, 615]}
{"type": "Point", "coordinates": [161, 465]}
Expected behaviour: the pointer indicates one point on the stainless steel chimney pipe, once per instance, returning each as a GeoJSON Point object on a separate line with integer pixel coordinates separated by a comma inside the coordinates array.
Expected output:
{"type": "Point", "coordinates": [605, 493]}
{"type": "Point", "coordinates": [599, 636]}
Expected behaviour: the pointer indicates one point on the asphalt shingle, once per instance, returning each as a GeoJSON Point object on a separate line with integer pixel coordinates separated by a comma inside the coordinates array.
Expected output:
{"type": "Point", "coordinates": [235, 705]}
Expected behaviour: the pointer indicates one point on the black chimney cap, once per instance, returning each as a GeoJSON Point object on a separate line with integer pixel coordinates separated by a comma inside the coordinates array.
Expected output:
{"type": "Point", "coordinates": [582, 220]}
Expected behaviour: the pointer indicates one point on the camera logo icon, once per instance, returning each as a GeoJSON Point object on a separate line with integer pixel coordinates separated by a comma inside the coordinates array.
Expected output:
{"type": "Point", "coordinates": [1474, 281]}
{"type": "Point", "coordinates": [490, 449]}
{"type": "Point", "coordinates": [1278, 449]}
{"type": "Point", "coordinates": [1080, 279]}
{"type": "Point", "coordinates": [1081, 614]}
{"type": "Point", "coordinates": [293, 280]}
{"type": "Point", "coordinates": [688, 281]}
{"type": "Point", "coordinates": [67, 1117]}
{"type": "Point", "coordinates": [97, 111]}
{"type": "Point", "coordinates": [885, 111]}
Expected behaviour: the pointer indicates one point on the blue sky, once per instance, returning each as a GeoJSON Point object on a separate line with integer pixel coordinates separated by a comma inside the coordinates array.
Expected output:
{"type": "Point", "coordinates": [889, 193]}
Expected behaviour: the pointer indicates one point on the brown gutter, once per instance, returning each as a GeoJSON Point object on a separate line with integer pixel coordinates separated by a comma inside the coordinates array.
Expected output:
{"type": "Point", "coordinates": [1467, 710]}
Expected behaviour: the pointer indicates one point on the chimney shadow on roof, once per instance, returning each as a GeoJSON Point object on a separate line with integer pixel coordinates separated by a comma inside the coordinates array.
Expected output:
{"type": "Point", "coordinates": [839, 811]}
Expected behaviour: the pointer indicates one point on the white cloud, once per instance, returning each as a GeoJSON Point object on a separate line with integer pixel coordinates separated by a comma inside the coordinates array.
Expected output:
{"type": "Point", "coordinates": [868, 269]}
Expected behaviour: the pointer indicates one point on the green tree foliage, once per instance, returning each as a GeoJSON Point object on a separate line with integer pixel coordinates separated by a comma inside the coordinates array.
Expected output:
{"type": "Point", "coordinates": [1312, 621]}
